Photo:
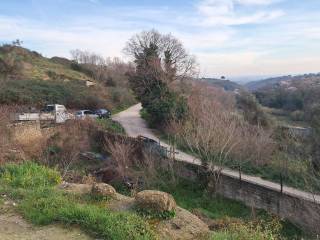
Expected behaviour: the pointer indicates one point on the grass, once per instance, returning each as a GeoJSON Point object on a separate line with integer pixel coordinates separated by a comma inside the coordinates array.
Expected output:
{"type": "Point", "coordinates": [111, 126]}
{"type": "Point", "coordinates": [42, 204]}
{"type": "Point", "coordinates": [192, 196]}
{"type": "Point", "coordinates": [239, 231]}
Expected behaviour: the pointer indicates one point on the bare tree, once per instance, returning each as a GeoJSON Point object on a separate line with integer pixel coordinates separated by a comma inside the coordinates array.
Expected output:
{"type": "Point", "coordinates": [216, 133]}
{"type": "Point", "coordinates": [121, 152]}
{"type": "Point", "coordinates": [174, 61]}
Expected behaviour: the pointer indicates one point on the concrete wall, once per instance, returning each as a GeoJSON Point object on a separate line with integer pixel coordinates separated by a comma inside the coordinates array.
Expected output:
{"type": "Point", "coordinates": [304, 213]}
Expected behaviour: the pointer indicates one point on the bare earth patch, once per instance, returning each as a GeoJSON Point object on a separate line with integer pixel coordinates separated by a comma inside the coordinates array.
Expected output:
{"type": "Point", "coordinates": [14, 227]}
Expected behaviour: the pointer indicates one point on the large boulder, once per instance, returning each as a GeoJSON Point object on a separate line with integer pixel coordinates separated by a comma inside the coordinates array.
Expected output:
{"type": "Point", "coordinates": [184, 226]}
{"type": "Point", "coordinates": [155, 200]}
{"type": "Point", "coordinates": [103, 189]}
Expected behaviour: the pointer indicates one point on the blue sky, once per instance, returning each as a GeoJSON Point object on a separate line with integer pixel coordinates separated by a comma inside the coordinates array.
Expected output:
{"type": "Point", "coordinates": [228, 37]}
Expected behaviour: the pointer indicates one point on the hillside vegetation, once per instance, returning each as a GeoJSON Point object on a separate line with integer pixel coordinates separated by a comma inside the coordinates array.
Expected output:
{"type": "Point", "coordinates": [28, 78]}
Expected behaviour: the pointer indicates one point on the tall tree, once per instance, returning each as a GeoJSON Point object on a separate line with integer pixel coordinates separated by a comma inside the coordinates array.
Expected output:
{"type": "Point", "coordinates": [160, 60]}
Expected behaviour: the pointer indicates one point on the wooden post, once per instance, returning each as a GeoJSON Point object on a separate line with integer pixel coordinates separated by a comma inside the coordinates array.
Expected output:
{"type": "Point", "coordinates": [281, 183]}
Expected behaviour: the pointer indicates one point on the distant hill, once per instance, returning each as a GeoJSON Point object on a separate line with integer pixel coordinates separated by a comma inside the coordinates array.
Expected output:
{"type": "Point", "coordinates": [283, 81]}
{"type": "Point", "coordinates": [29, 79]}
{"type": "Point", "coordinates": [227, 85]}
{"type": "Point", "coordinates": [20, 63]}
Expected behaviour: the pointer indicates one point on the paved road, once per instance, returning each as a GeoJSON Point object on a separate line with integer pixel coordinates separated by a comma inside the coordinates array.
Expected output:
{"type": "Point", "coordinates": [134, 125]}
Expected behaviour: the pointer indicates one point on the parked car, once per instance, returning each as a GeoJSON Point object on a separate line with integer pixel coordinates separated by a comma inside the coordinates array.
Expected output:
{"type": "Point", "coordinates": [147, 140]}
{"type": "Point", "coordinates": [82, 114]}
{"type": "Point", "coordinates": [153, 146]}
{"type": "Point", "coordinates": [103, 113]}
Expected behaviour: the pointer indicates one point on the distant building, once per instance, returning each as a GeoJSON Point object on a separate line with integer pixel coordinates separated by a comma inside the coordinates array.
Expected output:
{"type": "Point", "coordinates": [90, 83]}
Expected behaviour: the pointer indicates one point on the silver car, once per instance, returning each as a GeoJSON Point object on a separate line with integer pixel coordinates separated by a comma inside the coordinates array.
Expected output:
{"type": "Point", "coordinates": [83, 114]}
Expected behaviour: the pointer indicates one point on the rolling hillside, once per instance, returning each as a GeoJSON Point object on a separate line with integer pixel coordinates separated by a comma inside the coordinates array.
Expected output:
{"type": "Point", "coordinates": [282, 81]}
{"type": "Point", "coordinates": [21, 63]}
{"type": "Point", "coordinates": [28, 78]}
{"type": "Point", "coordinates": [227, 85]}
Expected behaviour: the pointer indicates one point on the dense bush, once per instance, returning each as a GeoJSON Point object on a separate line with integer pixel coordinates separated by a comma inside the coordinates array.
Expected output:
{"type": "Point", "coordinates": [72, 94]}
{"type": "Point", "coordinates": [160, 110]}
{"type": "Point", "coordinates": [252, 111]}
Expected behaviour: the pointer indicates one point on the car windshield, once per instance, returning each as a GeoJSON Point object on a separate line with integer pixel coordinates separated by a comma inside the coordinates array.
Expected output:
{"type": "Point", "coordinates": [48, 108]}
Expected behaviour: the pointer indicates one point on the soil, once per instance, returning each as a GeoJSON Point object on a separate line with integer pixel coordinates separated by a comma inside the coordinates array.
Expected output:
{"type": "Point", "coordinates": [14, 227]}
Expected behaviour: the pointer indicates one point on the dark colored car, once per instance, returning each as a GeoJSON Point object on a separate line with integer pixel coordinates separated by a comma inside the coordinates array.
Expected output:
{"type": "Point", "coordinates": [103, 113]}
{"type": "Point", "coordinates": [153, 146]}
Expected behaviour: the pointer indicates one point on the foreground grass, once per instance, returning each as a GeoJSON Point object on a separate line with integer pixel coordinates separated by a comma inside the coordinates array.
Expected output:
{"type": "Point", "coordinates": [42, 204]}
{"type": "Point", "coordinates": [236, 221]}
{"type": "Point", "coordinates": [192, 195]}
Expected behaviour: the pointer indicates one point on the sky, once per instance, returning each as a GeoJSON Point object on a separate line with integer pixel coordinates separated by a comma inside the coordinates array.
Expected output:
{"type": "Point", "coordinates": [233, 38]}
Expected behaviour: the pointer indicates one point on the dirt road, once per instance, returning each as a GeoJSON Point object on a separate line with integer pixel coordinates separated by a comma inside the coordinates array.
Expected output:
{"type": "Point", "coordinates": [134, 125]}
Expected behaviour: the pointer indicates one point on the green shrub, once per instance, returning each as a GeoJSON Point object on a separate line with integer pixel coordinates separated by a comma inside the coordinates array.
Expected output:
{"type": "Point", "coordinates": [28, 175]}
{"type": "Point", "coordinates": [162, 105]}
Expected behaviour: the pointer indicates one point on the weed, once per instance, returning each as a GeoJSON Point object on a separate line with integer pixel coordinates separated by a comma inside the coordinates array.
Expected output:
{"type": "Point", "coordinates": [42, 204]}
{"type": "Point", "coordinates": [152, 214]}
{"type": "Point", "coordinates": [111, 126]}
{"type": "Point", "coordinates": [28, 175]}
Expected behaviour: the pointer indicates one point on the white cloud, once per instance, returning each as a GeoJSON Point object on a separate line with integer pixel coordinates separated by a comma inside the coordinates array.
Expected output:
{"type": "Point", "coordinates": [59, 41]}
{"type": "Point", "coordinates": [284, 46]}
{"type": "Point", "coordinates": [226, 12]}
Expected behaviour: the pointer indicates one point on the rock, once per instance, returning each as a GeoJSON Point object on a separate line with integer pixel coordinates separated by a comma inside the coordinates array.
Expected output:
{"type": "Point", "coordinates": [103, 189]}
{"type": "Point", "coordinates": [155, 200]}
{"type": "Point", "coordinates": [75, 188]}
{"type": "Point", "coordinates": [184, 226]}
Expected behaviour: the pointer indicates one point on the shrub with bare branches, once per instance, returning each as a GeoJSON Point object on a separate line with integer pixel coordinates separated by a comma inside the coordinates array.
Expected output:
{"type": "Point", "coordinates": [216, 133]}
{"type": "Point", "coordinates": [121, 152]}
{"type": "Point", "coordinates": [67, 143]}
{"type": "Point", "coordinates": [4, 133]}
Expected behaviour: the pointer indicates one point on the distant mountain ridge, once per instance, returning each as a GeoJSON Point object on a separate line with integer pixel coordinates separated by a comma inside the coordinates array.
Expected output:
{"type": "Point", "coordinates": [276, 81]}
{"type": "Point", "coordinates": [227, 85]}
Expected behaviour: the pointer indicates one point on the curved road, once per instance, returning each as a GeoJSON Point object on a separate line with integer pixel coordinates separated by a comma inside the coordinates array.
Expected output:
{"type": "Point", "coordinates": [134, 125]}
